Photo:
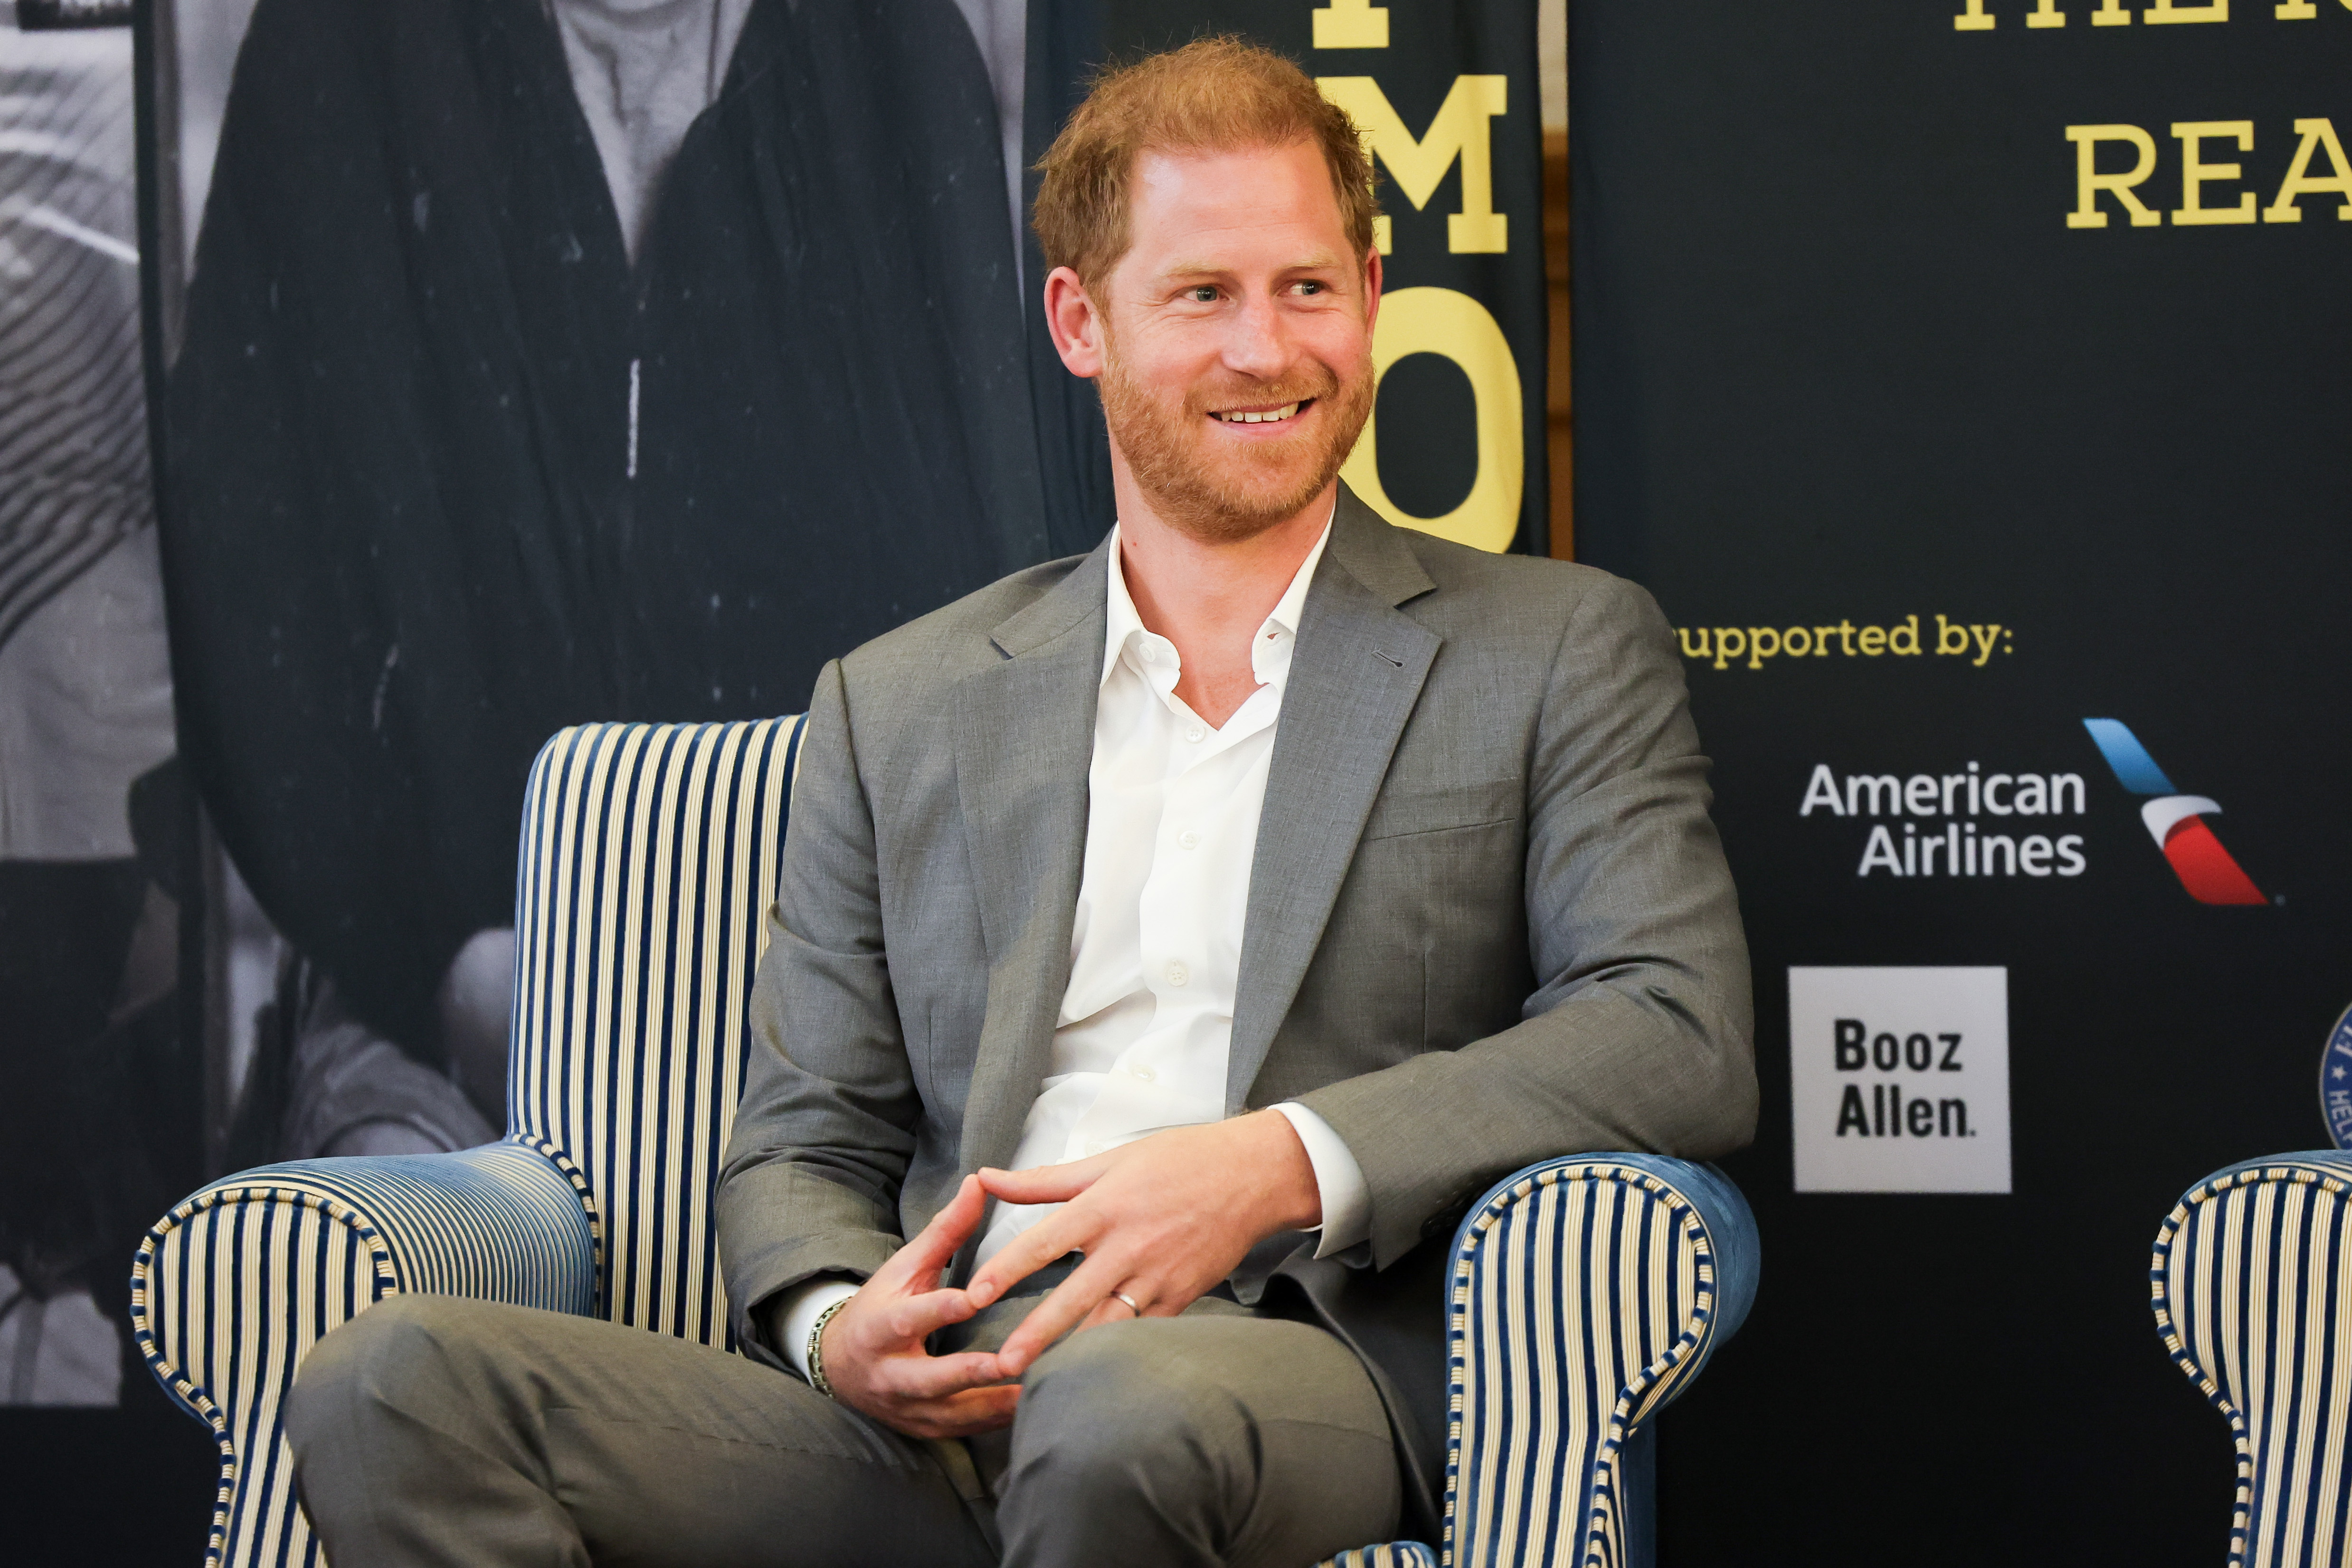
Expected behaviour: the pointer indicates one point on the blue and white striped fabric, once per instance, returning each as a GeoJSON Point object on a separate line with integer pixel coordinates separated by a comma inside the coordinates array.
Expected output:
{"type": "Point", "coordinates": [2252, 1285]}
{"type": "Point", "coordinates": [1587, 1294]}
{"type": "Point", "coordinates": [1398, 1554]}
{"type": "Point", "coordinates": [648, 853]}
{"type": "Point", "coordinates": [235, 1286]}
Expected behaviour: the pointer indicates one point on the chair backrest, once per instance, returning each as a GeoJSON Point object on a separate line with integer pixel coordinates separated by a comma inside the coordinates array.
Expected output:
{"type": "Point", "coordinates": [2252, 1285]}
{"type": "Point", "coordinates": [649, 858]}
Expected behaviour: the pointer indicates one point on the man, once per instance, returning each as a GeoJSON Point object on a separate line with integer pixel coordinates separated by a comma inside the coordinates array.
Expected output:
{"type": "Point", "coordinates": [1268, 870]}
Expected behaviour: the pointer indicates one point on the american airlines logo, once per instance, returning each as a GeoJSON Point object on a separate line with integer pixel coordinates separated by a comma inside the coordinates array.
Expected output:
{"type": "Point", "coordinates": [2176, 821]}
{"type": "Point", "coordinates": [1975, 822]}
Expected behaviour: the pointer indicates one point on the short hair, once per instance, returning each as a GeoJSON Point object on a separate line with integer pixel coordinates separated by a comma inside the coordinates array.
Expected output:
{"type": "Point", "coordinates": [1215, 94]}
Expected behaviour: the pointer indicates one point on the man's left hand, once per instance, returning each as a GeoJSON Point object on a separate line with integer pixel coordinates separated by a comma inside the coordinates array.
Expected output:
{"type": "Point", "coordinates": [1161, 1221]}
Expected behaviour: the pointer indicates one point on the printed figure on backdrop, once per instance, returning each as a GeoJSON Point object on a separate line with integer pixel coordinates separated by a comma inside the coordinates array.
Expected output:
{"type": "Point", "coordinates": [98, 1124]}
{"type": "Point", "coordinates": [1170, 943]}
{"type": "Point", "coordinates": [551, 361]}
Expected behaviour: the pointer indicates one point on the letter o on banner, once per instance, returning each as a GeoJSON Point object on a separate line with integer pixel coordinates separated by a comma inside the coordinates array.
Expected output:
{"type": "Point", "coordinates": [1449, 323]}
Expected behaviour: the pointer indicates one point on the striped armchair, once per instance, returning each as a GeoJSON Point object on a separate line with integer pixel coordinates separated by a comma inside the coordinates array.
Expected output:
{"type": "Point", "coordinates": [2252, 1284]}
{"type": "Point", "coordinates": [1587, 1294]}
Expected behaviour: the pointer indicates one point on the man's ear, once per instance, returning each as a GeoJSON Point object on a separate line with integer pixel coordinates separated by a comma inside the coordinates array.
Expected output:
{"type": "Point", "coordinates": [1371, 289]}
{"type": "Point", "coordinates": [1076, 323]}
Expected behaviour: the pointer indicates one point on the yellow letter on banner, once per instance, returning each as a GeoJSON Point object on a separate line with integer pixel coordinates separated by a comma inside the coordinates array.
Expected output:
{"type": "Point", "coordinates": [1351, 25]}
{"type": "Point", "coordinates": [1460, 131]}
{"type": "Point", "coordinates": [2318, 135]}
{"type": "Point", "coordinates": [1445, 321]}
{"type": "Point", "coordinates": [2196, 174]}
{"type": "Point", "coordinates": [2089, 182]}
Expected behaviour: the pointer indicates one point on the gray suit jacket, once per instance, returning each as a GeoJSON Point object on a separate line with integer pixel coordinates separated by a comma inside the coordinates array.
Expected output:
{"type": "Point", "coordinates": [1489, 922]}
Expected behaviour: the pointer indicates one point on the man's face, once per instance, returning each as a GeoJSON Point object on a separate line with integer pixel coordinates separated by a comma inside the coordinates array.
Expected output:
{"type": "Point", "coordinates": [1238, 337]}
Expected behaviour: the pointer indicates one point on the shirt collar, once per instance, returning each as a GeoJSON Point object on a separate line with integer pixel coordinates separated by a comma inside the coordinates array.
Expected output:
{"type": "Point", "coordinates": [1269, 663]}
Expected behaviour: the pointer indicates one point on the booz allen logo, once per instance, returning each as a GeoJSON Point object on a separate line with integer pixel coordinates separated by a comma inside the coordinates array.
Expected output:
{"type": "Point", "coordinates": [2176, 821]}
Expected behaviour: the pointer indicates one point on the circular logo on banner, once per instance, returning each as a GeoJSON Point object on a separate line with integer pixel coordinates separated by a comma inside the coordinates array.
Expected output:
{"type": "Point", "coordinates": [2335, 1082]}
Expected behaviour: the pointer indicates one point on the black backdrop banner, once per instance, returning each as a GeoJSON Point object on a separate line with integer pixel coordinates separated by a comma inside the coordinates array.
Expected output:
{"type": "Point", "coordinates": [1967, 378]}
{"type": "Point", "coordinates": [1447, 96]}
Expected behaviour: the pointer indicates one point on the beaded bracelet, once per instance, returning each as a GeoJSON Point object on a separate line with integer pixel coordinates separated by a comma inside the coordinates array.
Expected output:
{"type": "Point", "coordinates": [816, 1354]}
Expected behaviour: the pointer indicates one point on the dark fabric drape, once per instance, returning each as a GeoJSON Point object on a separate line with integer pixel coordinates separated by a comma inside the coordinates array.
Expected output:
{"type": "Point", "coordinates": [444, 473]}
{"type": "Point", "coordinates": [1066, 44]}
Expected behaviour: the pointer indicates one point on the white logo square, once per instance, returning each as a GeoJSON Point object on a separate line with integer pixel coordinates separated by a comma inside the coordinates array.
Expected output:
{"type": "Point", "coordinates": [1900, 1078]}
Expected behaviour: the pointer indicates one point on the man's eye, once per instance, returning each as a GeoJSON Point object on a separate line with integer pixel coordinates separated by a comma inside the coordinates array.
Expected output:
{"type": "Point", "coordinates": [1309, 286]}
{"type": "Point", "coordinates": [1203, 294]}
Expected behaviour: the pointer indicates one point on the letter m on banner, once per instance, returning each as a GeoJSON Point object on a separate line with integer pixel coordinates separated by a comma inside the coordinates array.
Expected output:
{"type": "Point", "coordinates": [1462, 130]}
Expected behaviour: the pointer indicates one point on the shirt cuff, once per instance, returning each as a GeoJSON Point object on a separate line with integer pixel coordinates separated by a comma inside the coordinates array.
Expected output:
{"type": "Point", "coordinates": [1347, 1202]}
{"type": "Point", "coordinates": [803, 1305]}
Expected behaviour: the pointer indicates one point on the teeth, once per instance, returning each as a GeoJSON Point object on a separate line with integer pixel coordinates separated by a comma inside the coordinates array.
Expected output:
{"type": "Point", "coordinates": [1268, 417]}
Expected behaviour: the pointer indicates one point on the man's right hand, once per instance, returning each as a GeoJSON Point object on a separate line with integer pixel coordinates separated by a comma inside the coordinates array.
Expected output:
{"type": "Point", "coordinates": [872, 1347]}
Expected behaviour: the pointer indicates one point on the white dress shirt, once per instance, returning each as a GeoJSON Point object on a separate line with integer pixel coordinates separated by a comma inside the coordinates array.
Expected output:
{"type": "Point", "coordinates": [1146, 1026]}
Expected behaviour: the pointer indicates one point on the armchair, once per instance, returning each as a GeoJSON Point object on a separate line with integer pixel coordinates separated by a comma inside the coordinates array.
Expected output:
{"type": "Point", "coordinates": [1588, 1291]}
{"type": "Point", "coordinates": [2252, 1296]}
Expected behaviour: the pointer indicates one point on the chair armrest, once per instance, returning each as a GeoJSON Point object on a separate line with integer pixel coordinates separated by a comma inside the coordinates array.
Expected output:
{"type": "Point", "coordinates": [2247, 1281]}
{"type": "Point", "coordinates": [1587, 1294]}
{"type": "Point", "coordinates": [1395, 1554]}
{"type": "Point", "coordinates": [232, 1288]}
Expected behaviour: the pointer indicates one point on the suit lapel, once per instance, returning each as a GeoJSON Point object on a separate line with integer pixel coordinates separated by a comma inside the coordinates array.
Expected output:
{"type": "Point", "coordinates": [1024, 736]}
{"type": "Point", "coordinates": [1354, 678]}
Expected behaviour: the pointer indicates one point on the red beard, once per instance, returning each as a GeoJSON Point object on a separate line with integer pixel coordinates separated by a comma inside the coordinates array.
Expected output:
{"type": "Point", "coordinates": [1212, 490]}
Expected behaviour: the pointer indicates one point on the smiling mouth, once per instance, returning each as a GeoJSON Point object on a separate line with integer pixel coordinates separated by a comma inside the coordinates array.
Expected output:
{"type": "Point", "coordinates": [1261, 417]}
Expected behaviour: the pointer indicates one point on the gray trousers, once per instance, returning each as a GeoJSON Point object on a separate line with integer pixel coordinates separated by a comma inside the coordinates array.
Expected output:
{"type": "Point", "coordinates": [434, 1430]}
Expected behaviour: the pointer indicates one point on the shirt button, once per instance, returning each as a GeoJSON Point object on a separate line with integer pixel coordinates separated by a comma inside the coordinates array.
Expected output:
{"type": "Point", "coordinates": [1188, 839]}
{"type": "Point", "coordinates": [1194, 733]}
{"type": "Point", "coordinates": [1145, 1074]}
{"type": "Point", "coordinates": [1178, 974]}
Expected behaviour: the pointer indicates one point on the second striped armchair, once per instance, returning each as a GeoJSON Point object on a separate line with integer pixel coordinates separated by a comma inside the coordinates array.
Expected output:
{"type": "Point", "coordinates": [2252, 1285]}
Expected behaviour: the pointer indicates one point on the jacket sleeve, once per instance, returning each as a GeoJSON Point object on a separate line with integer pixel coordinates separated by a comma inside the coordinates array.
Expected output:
{"type": "Point", "coordinates": [1637, 1036]}
{"type": "Point", "coordinates": [826, 1125]}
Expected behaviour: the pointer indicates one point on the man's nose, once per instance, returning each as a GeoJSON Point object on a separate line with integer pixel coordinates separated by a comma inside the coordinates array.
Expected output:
{"type": "Point", "coordinates": [1260, 344]}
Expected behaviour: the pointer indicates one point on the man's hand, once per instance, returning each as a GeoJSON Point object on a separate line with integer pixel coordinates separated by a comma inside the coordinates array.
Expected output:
{"type": "Point", "coordinates": [1161, 1221]}
{"type": "Point", "coordinates": [872, 1347]}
